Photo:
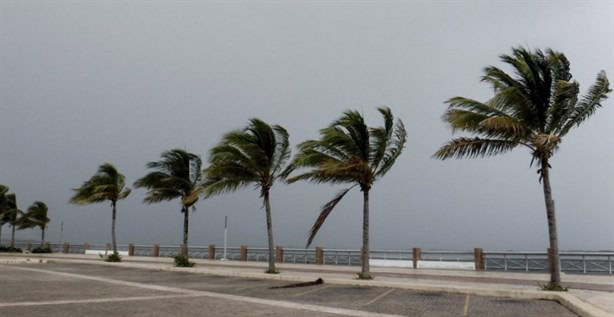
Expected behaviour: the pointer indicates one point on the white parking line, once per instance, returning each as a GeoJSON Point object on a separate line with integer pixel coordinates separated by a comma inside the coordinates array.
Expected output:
{"type": "Point", "coordinates": [97, 300]}
{"type": "Point", "coordinates": [466, 309]}
{"type": "Point", "coordinates": [186, 292]}
{"type": "Point", "coordinates": [311, 290]}
{"type": "Point", "coordinates": [379, 297]}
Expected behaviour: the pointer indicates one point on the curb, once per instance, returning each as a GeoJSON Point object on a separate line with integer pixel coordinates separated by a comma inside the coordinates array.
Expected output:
{"type": "Point", "coordinates": [570, 301]}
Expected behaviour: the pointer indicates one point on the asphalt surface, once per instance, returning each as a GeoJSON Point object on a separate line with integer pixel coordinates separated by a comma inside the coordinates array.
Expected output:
{"type": "Point", "coordinates": [57, 289]}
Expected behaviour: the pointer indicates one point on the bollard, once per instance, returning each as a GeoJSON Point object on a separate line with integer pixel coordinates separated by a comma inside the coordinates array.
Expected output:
{"type": "Point", "coordinates": [131, 249]}
{"type": "Point", "coordinates": [243, 254]}
{"type": "Point", "coordinates": [279, 254]}
{"type": "Point", "coordinates": [550, 261]}
{"type": "Point", "coordinates": [319, 255]}
{"type": "Point", "coordinates": [416, 256]}
{"type": "Point", "coordinates": [29, 246]}
{"type": "Point", "coordinates": [66, 248]}
{"type": "Point", "coordinates": [212, 252]}
{"type": "Point", "coordinates": [478, 259]}
{"type": "Point", "coordinates": [86, 246]}
{"type": "Point", "coordinates": [156, 250]}
{"type": "Point", "coordinates": [183, 250]}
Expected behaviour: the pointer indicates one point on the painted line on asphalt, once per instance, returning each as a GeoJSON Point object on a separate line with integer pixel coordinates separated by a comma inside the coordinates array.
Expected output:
{"type": "Point", "coordinates": [250, 287]}
{"type": "Point", "coordinates": [378, 297]}
{"type": "Point", "coordinates": [466, 308]}
{"type": "Point", "coordinates": [97, 300]}
{"type": "Point", "coordinates": [253, 300]}
{"type": "Point", "coordinates": [311, 290]}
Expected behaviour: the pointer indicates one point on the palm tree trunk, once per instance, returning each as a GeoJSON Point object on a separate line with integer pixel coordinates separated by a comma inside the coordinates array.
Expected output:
{"type": "Point", "coordinates": [186, 223]}
{"type": "Point", "coordinates": [364, 252]}
{"type": "Point", "coordinates": [13, 237]}
{"type": "Point", "coordinates": [42, 237]}
{"type": "Point", "coordinates": [269, 227]}
{"type": "Point", "coordinates": [555, 275]}
{"type": "Point", "coordinates": [113, 227]}
{"type": "Point", "coordinates": [0, 234]}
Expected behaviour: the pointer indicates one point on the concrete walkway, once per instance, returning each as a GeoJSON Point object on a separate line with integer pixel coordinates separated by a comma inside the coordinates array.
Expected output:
{"type": "Point", "coordinates": [598, 291]}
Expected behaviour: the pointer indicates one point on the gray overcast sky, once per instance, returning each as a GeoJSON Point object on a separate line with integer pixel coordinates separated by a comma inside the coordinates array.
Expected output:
{"type": "Point", "coordinates": [85, 83]}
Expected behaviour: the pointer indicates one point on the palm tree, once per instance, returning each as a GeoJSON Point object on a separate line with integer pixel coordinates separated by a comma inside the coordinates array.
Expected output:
{"type": "Point", "coordinates": [254, 155]}
{"type": "Point", "coordinates": [349, 152]}
{"type": "Point", "coordinates": [108, 184]}
{"type": "Point", "coordinates": [535, 108]}
{"type": "Point", "coordinates": [11, 215]}
{"type": "Point", "coordinates": [176, 175]}
{"type": "Point", "coordinates": [3, 206]}
{"type": "Point", "coordinates": [36, 216]}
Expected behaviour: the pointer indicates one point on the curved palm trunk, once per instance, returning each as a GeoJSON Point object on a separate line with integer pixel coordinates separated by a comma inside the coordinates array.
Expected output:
{"type": "Point", "coordinates": [113, 227]}
{"type": "Point", "coordinates": [269, 227]}
{"type": "Point", "coordinates": [42, 237]}
{"type": "Point", "coordinates": [0, 234]}
{"type": "Point", "coordinates": [555, 275]}
{"type": "Point", "coordinates": [13, 237]}
{"type": "Point", "coordinates": [186, 223]}
{"type": "Point", "coordinates": [364, 252]}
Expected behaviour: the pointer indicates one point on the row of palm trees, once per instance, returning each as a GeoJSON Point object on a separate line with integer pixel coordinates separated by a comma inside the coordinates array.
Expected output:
{"type": "Point", "coordinates": [535, 107]}
{"type": "Point", "coordinates": [35, 216]}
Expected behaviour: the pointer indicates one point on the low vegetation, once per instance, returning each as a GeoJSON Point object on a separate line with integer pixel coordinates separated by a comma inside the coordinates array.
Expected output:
{"type": "Point", "coordinates": [10, 249]}
{"type": "Point", "coordinates": [42, 250]}
{"type": "Point", "coordinates": [183, 261]}
{"type": "Point", "coordinates": [114, 257]}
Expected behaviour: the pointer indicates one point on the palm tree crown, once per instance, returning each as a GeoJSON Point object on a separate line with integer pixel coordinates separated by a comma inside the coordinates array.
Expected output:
{"type": "Point", "coordinates": [36, 216]}
{"type": "Point", "coordinates": [176, 175]}
{"type": "Point", "coordinates": [255, 155]}
{"type": "Point", "coordinates": [349, 152]}
{"type": "Point", "coordinates": [106, 184]}
{"type": "Point", "coordinates": [11, 214]}
{"type": "Point", "coordinates": [534, 108]}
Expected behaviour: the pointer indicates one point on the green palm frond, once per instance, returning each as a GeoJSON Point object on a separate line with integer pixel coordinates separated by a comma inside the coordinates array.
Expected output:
{"type": "Point", "coordinates": [36, 216]}
{"type": "Point", "coordinates": [596, 95]}
{"type": "Point", "coordinates": [256, 154]}
{"type": "Point", "coordinates": [106, 184]}
{"type": "Point", "coordinates": [474, 147]}
{"type": "Point", "coordinates": [324, 212]}
{"type": "Point", "coordinates": [12, 213]}
{"type": "Point", "coordinates": [177, 175]}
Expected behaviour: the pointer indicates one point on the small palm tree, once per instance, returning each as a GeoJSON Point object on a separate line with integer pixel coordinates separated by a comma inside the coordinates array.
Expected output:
{"type": "Point", "coordinates": [254, 155]}
{"type": "Point", "coordinates": [36, 216]}
{"type": "Point", "coordinates": [108, 184]}
{"type": "Point", "coordinates": [3, 206]}
{"type": "Point", "coordinates": [11, 215]}
{"type": "Point", "coordinates": [349, 152]}
{"type": "Point", "coordinates": [535, 108]}
{"type": "Point", "coordinates": [177, 175]}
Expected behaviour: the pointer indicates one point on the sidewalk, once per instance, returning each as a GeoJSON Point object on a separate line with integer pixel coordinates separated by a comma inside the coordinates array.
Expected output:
{"type": "Point", "coordinates": [595, 290]}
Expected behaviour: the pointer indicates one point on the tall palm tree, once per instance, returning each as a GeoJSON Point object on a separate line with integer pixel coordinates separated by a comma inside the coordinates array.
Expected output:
{"type": "Point", "coordinates": [3, 206]}
{"type": "Point", "coordinates": [36, 216]}
{"type": "Point", "coordinates": [176, 175]}
{"type": "Point", "coordinates": [11, 215]}
{"type": "Point", "coordinates": [535, 108]}
{"type": "Point", "coordinates": [349, 152]}
{"type": "Point", "coordinates": [254, 155]}
{"type": "Point", "coordinates": [108, 184]}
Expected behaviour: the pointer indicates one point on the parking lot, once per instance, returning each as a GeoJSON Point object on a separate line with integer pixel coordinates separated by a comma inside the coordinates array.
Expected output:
{"type": "Point", "coordinates": [59, 289]}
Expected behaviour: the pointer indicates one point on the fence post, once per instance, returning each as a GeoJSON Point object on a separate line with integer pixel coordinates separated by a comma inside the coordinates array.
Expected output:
{"type": "Point", "coordinates": [29, 246]}
{"type": "Point", "coordinates": [550, 261]}
{"type": "Point", "coordinates": [47, 245]}
{"type": "Point", "coordinates": [279, 254]}
{"type": "Point", "coordinates": [156, 250]}
{"type": "Point", "coordinates": [416, 256]}
{"type": "Point", "coordinates": [131, 249]}
{"type": "Point", "coordinates": [86, 246]}
{"type": "Point", "coordinates": [183, 250]}
{"type": "Point", "coordinates": [66, 248]}
{"type": "Point", "coordinates": [211, 252]}
{"type": "Point", "coordinates": [319, 255]}
{"type": "Point", "coordinates": [108, 247]}
{"type": "Point", "coordinates": [243, 254]}
{"type": "Point", "coordinates": [478, 259]}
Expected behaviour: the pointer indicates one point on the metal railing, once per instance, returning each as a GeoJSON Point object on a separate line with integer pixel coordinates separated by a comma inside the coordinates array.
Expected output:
{"type": "Point", "coordinates": [571, 262]}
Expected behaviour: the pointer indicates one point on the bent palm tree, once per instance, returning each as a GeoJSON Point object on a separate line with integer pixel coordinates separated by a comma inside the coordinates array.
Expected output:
{"type": "Point", "coordinates": [36, 216]}
{"type": "Point", "coordinates": [350, 152]}
{"type": "Point", "coordinates": [3, 206]}
{"type": "Point", "coordinates": [11, 215]}
{"type": "Point", "coordinates": [254, 155]}
{"type": "Point", "coordinates": [535, 108]}
{"type": "Point", "coordinates": [177, 175]}
{"type": "Point", "coordinates": [107, 184]}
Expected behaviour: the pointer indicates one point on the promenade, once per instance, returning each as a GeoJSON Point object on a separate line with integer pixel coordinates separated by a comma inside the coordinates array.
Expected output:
{"type": "Point", "coordinates": [466, 293]}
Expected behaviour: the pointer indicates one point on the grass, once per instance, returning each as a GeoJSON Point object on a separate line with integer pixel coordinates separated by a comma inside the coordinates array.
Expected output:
{"type": "Point", "coordinates": [115, 257]}
{"type": "Point", "coordinates": [183, 261]}
{"type": "Point", "coordinates": [42, 250]}
{"type": "Point", "coordinates": [10, 249]}
{"type": "Point", "coordinates": [552, 287]}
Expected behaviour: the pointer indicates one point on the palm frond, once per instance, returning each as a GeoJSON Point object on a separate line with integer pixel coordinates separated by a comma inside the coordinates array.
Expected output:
{"type": "Point", "coordinates": [595, 96]}
{"type": "Point", "coordinates": [324, 212]}
{"type": "Point", "coordinates": [474, 147]}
